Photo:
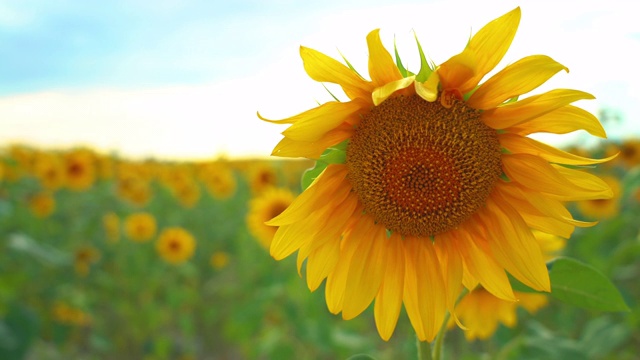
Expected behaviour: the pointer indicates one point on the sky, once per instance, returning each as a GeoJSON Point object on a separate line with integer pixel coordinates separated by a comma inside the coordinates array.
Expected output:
{"type": "Point", "coordinates": [183, 79]}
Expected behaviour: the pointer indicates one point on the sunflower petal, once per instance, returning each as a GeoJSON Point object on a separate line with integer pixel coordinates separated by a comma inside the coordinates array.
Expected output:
{"type": "Point", "coordinates": [382, 68]}
{"type": "Point", "coordinates": [514, 245]}
{"type": "Point", "coordinates": [424, 299]}
{"type": "Point", "coordinates": [512, 114]}
{"type": "Point", "coordinates": [516, 79]}
{"type": "Point", "coordinates": [428, 90]}
{"type": "Point", "coordinates": [337, 280]}
{"type": "Point", "coordinates": [537, 174]}
{"type": "Point", "coordinates": [484, 51]}
{"type": "Point", "coordinates": [366, 273]}
{"type": "Point", "coordinates": [389, 300]}
{"type": "Point", "coordinates": [479, 262]}
{"type": "Point", "coordinates": [323, 68]}
{"type": "Point", "coordinates": [313, 124]}
{"type": "Point", "coordinates": [523, 145]}
{"type": "Point", "coordinates": [383, 92]}
{"type": "Point", "coordinates": [322, 262]}
{"type": "Point", "coordinates": [312, 149]}
{"type": "Point", "coordinates": [324, 187]}
{"type": "Point", "coordinates": [562, 121]}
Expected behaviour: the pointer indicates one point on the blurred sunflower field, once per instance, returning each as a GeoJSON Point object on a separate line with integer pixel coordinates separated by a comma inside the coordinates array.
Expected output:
{"type": "Point", "coordinates": [105, 257]}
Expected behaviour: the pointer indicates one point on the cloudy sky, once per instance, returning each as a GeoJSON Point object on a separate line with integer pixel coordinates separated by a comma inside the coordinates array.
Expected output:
{"type": "Point", "coordinates": [184, 78]}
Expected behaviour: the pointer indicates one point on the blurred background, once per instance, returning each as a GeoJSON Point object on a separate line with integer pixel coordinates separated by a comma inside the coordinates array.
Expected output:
{"type": "Point", "coordinates": [135, 174]}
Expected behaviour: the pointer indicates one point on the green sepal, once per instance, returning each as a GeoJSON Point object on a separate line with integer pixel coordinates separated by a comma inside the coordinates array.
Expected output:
{"type": "Point", "coordinates": [330, 93]}
{"type": "Point", "coordinates": [336, 154]}
{"type": "Point", "coordinates": [425, 69]}
{"type": "Point", "coordinates": [401, 67]}
{"type": "Point", "coordinates": [349, 65]}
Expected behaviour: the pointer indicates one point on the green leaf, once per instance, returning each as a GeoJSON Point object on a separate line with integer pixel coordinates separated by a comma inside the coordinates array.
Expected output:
{"type": "Point", "coordinates": [425, 69]}
{"type": "Point", "coordinates": [361, 357]}
{"type": "Point", "coordinates": [579, 284]}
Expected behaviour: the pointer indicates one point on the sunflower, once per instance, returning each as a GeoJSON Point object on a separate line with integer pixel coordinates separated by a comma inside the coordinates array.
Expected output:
{"type": "Point", "coordinates": [219, 260]}
{"type": "Point", "coordinates": [264, 207]}
{"type": "Point", "coordinates": [84, 257]}
{"type": "Point", "coordinates": [432, 182]}
{"type": "Point", "coordinates": [111, 225]}
{"type": "Point", "coordinates": [49, 171]}
{"type": "Point", "coordinates": [218, 178]}
{"type": "Point", "coordinates": [262, 175]}
{"type": "Point", "coordinates": [175, 245]}
{"type": "Point", "coordinates": [42, 204]}
{"type": "Point", "coordinates": [140, 226]}
{"type": "Point", "coordinates": [80, 170]}
{"type": "Point", "coordinates": [603, 208]}
{"type": "Point", "coordinates": [630, 152]}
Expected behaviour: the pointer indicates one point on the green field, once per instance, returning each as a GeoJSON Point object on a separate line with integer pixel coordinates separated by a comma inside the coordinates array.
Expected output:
{"type": "Point", "coordinates": [75, 287]}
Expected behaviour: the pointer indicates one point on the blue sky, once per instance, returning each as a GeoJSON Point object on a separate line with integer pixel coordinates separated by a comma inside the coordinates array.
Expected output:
{"type": "Point", "coordinates": [185, 78]}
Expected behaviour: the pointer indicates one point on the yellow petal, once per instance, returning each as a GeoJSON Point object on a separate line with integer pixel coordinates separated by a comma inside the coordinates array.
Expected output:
{"type": "Point", "coordinates": [428, 90]}
{"type": "Point", "coordinates": [366, 272]}
{"type": "Point", "coordinates": [424, 298]}
{"type": "Point", "coordinates": [389, 300]}
{"type": "Point", "coordinates": [312, 149]}
{"type": "Point", "coordinates": [550, 208]}
{"type": "Point", "coordinates": [532, 107]}
{"type": "Point", "coordinates": [482, 266]}
{"type": "Point", "coordinates": [451, 264]}
{"type": "Point", "coordinates": [562, 121]}
{"type": "Point", "coordinates": [330, 231]}
{"type": "Point", "coordinates": [537, 174]}
{"type": "Point", "coordinates": [313, 124]}
{"type": "Point", "coordinates": [323, 68]}
{"type": "Point", "coordinates": [383, 92]}
{"type": "Point", "coordinates": [523, 145]}
{"type": "Point", "coordinates": [322, 262]}
{"type": "Point", "coordinates": [513, 244]}
{"type": "Point", "coordinates": [337, 280]}
{"type": "Point", "coordinates": [484, 51]}
{"type": "Point", "coordinates": [516, 79]}
{"type": "Point", "coordinates": [331, 180]}
{"type": "Point", "coordinates": [382, 68]}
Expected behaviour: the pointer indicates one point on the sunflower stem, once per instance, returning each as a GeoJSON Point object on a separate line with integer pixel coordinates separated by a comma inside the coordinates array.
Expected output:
{"type": "Point", "coordinates": [424, 349]}
{"type": "Point", "coordinates": [437, 350]}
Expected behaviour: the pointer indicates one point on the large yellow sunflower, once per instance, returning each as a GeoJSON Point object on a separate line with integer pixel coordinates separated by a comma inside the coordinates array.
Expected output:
{"type": "Point", "coordinates": [439, 186]}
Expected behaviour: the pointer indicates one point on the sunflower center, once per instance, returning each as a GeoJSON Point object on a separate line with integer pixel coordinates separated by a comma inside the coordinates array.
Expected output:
{"type": "Point", "coordinates": [421, 169]}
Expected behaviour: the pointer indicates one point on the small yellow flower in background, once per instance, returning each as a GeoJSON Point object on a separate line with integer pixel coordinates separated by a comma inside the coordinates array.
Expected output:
{"type": "Point", "coordinates": [105, 166]}
{"type": "Point", "coordinates": [187, 193]}
{"type": "Point", "coordinates": [219, 260]}
{"type": "Point", "coordinates": [140, 227]}
{"type": "Point", "coordinates": [133, 188]}
{"type": "Point", "coordinates": [603, 208]}
{"type": "Point", "coordinates": [49, 170]}
{"type": "Point", "coordinates": [630, 152]}
{"type": "Point", "coordinates": [219, 179]}
{"type": "Point", "coordinates": [68, 315]}
{"type": "Point", "coordinates": [261, 176]}
{"type": "Point", "coordinates": [84, 257]}
{"type": "Point", "coordinates": [175, 245]}
{"type": "Point", "coordinates": [432, 175]}
{"type": "Point", "coordinates": [480, 312]}
{"type": "Point", "coordinates": [42, 204]}
{"type": "Point", "coordinates": [80, 169]}
{"type": "Point", "coordinates": [265, 206]}
{"type": "Point", "coordinates": [111, 225]}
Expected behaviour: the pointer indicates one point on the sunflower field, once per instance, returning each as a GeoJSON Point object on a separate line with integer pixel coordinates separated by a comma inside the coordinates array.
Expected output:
{"type": "Point", "coordinates": [109, 258]}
